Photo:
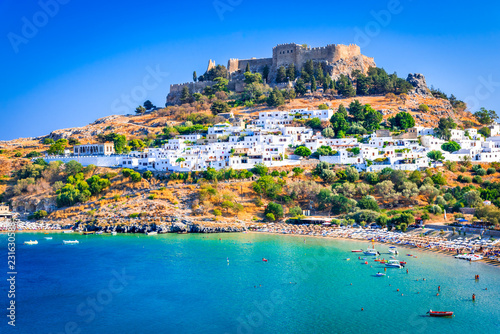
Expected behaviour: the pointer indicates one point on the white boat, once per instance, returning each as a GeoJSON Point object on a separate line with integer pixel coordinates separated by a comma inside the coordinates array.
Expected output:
{"type": "Point", "coordinates": [371, 251]}
{"type": "Point", "coordinates": [100, 232]}
{"type": "Point", "coordinates": [68, 231]}
{"type": "Point", "coordinates": [31, 242]}
{"type": "Point", "coordinates": [379, 274]}
{"type": "Point", "coordinates": [70, 242]}
{"type": "Point", "coordinates": [393, 264]}
{"type": "Point", "coordinates": [48, 238]}
{"type": "Point", "coordinates": [113, 233]}
{"type": "Point", "coordinates": [393, 250]}
{"type": "Point", "coordinates": [151, 233]}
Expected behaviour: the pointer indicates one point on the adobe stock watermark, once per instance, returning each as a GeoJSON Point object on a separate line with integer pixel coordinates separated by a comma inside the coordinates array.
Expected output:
{"type": "Point", "coordinates": [139, 93]}
{"type": "Point", "coordinates": [223, 6]}
{"type": "Point", "coordinates": [31, 26]}
{"type": "Point", "coordinates": [89, 309]}
{"type": "Point", "coordinates": [381, 19]}
{"type": "Point", "coordinates": [263, 310]}
{"type": "Point", "coordinates": [483, 91]}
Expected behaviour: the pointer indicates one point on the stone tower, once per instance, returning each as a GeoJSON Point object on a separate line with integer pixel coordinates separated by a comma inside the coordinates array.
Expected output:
{"type": "Point", "coordinates": [211, 64]}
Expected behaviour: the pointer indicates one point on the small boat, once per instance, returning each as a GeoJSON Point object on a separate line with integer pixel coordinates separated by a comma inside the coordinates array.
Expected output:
{"type": "Point", "coordinates": [357, 251]}
{"type": "Point", "coordinates": [371, 251]}
{"type": "Point", "coordinates": [402, 263]}
{"type": "Point", "coordinates": [152, 233]}
{"type": "Point", "coordinates": [48, 238]}
{"type": "Point", "coordinates": [88, 232]}
{"type": "Point", "coordinates": [113, 233]}
{"type": "Point", "coordinates": [100, 232]}
{"type": "Point", "coordinates": [379, 274]}
{"type": "Point", "coordinates": [68, 231]}
{"type": "Point", "coordinates": [31, 242]}
{"type": "Point", "coordinates": [70, 242]}
{"type": "Point", "coordinates": [393, 250]}
{"type": "Point", "coordinates": [348, 259]}
{"type": "Point", "coordinates": [393, 264]}
{"type": "Point", "coordinates": [264, 259]}
{"type": "Point", "coordinates": [440, 314]}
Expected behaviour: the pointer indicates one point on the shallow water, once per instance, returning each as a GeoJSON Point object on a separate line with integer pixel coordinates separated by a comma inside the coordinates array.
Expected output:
{"type": "Point", "coordinates": [200, 284]}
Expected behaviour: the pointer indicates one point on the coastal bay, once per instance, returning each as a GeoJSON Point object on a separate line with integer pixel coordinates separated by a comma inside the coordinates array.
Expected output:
{"type": "Point", "coordinates": [213, 283]}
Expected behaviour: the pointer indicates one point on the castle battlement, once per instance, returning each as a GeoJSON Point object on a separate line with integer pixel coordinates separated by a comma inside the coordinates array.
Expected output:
{"type": "Point", "coordinates": [285, 55]}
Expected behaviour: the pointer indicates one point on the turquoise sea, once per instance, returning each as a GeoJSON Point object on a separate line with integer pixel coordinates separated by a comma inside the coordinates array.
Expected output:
{"type": "Point", "coordinates": [219, 284]}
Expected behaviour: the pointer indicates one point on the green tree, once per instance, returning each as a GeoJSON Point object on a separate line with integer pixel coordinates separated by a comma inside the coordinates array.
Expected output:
{"type": "Point", "coordinates": [275, 209]}
{"type": "Point", "coordinates": [342, 110]}
{"type": "Point", "coordinates": [302, 151]}
{"type": "Point", "coordinates": [313, 84]}
{"type": "Point", "coordinates": [402, 120]}
{"type": "Point", "coordinates": [220, 84]}
{"type": "Point", "coordinates": [148, 105]}
{"type": "Point", "coordinates": [300, 87]}
{"type": "Point", "coordinates": [485, 116]}
{"type": "Point", "coordinates": [281, 74]}
{"type": "Point", "coordinates": [450, 146]}
{"type": "Point", "coordinates": [295, 211]}
{"type": "Point", "coordinates": [339, 123]}
{"type": "Point", "coordinates": [195, 76]}
{"type": "Point", "coordinates": [290, 72]}
{"type": "Point", "coordinates": [147, 175]}
{"type": "Point", "coordinates": [218, 107]}
{"type": "Point", "coordinates": [140, 110]}
{"type": "Point", "coordinates": [435, 156]}
{"type": "Point", "coordinates": [356, 111]}
{"type": "Point", "coordinates": [275, 98]}
{"type": "Point", "coordinates": [247, 68]}
{"type": "Point", "coordinates": [368, 203]}
{"type": "Point", "coordinates": [186, 95]}
{"type": "Point", "coordinates": [260, 169]}
{"type": "Point", "coordinates": [372, 118]}
{"type": "Point", "coordinates": [265, 73]}
{"type": "Point", "coordinates": [328, 133]}
{"type": "Point", "coordinates": [445, 125]}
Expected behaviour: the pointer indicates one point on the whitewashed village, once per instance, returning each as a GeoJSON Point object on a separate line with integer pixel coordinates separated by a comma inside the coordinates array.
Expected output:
{"type": "Point", "coordinates": [271, 140]}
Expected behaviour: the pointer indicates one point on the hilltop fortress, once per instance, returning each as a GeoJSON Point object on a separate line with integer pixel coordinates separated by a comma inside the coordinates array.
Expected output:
{"type": "Point", "coordinates": [336, 59]}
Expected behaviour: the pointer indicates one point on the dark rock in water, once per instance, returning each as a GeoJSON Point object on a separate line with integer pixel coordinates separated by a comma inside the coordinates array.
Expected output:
{"type": "Point", "coordinates": [417, 80]}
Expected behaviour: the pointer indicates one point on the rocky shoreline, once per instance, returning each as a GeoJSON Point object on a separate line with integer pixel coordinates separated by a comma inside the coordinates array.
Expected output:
{"type": "Point", "coordinates": [174, 226]}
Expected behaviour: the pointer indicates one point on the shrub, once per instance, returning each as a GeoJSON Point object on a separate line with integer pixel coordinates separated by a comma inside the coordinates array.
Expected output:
{"type": "Point", "coordinates": [217, 212]}
{"type": "Point", "coordinates": [477, 179]}
{"type": "Point", "coordinates": [33, 154]}
{"type": "Point", "coordinates": [323, 106]}
{"type": "Point", "coordinates": [295, 211]}
{"type": "Point", "coordinates": [270, 217]}
{"type": "Point", "coordinates": [481, 171]}
{"type": "Point", "coordinates": [274, 208]}
{"type": "Point", "coordinates": [491, 171]}
{"type": "Point", "coordinates": [18, 154]}
{"type": "Point", "coordinates": [466, 179]}
{"type": "Point", "coordinates": [423, 107]}
{"type": "Point", "coordinates": [463, 169]}
{"type": "Point", "coordinates": [152, 196]}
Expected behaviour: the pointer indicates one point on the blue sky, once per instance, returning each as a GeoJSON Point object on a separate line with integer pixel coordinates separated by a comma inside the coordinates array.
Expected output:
{"type": "Point", "coordinates": [65, 63]}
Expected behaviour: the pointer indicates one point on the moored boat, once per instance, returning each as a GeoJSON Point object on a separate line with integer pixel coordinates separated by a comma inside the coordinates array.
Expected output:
{"type": "Point", "coordinates": [357, 251]}
{"type": "Point", "coordinates": [371, 251]}
{"type": "Point", "coordinates": [31, 242]}
{"type": "Point", "coordinates": [393, 250]}
{"type": "Point", "coordinates": [440, 314]}
{"type": "Point", "coordinates": [393, 264]}
{"type": "Point", "coordinates": [152, 233]}
{"type": "Point", "coordinates": [113, 233]}
{"type": "Point", "coordinates": [48, 238]}
{"type": "Point", "coordinates": [70, 242]}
